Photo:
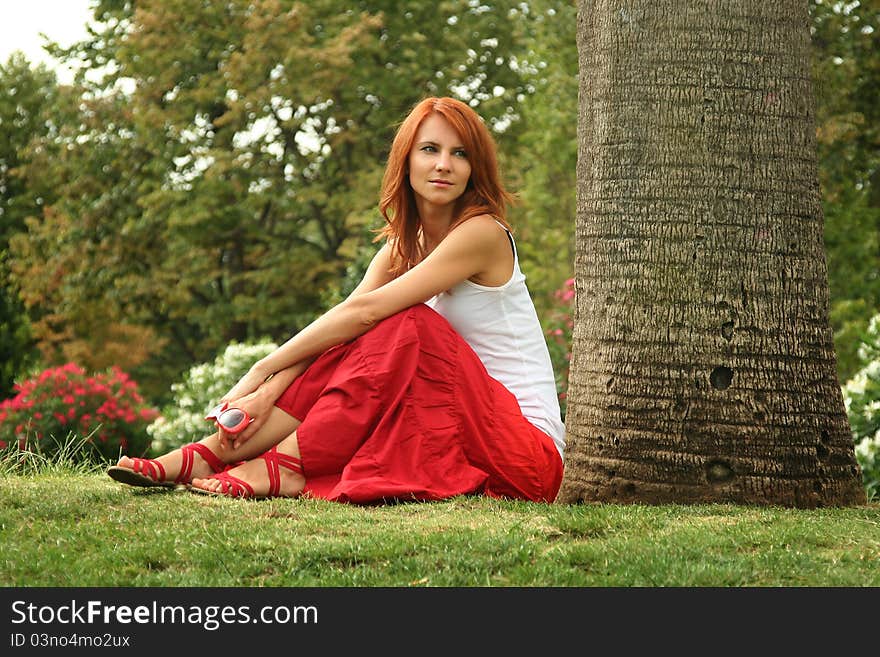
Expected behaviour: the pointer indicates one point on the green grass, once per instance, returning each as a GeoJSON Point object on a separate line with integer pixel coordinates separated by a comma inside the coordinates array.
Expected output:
{"type": "Point", "coordinates": [67, 525]}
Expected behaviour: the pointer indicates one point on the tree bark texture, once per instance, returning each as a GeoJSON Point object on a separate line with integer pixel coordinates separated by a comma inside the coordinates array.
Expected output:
{"type": "Point", "coordinates": [703, 367]}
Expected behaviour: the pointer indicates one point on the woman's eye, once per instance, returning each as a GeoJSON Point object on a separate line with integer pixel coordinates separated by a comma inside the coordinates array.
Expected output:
{"type": "Point", "coordinates": [428, 149]}
{"type": "Point", "coordinates": [460, 153]}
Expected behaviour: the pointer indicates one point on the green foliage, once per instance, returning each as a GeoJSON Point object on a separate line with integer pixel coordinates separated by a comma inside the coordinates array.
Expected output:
{"type": "Point", "coordinates": [106, 407]}
{"type": "Point", "coordinates": [558, 325]}
{"type": "Point", "coordinates": [847, 75]}
{"type": "Point", "coordinates": [183, 420]}
{"type": "Point", "coordinates": [852, 239]}
{"type": "Point", "coordinates": [862, 397]}
{"type": "Point", "coordinates": [542, 163]}
{"type": "Point", "coordinates": [15, 339]}
{"type": "Point", "coordinates": [26, 95]}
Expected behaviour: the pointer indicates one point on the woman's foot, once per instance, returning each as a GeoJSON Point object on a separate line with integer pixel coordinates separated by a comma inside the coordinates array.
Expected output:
{"type": "Point", "coordinates": [272, 474]}
{"type": "Point", "coordinates": [177, 467]}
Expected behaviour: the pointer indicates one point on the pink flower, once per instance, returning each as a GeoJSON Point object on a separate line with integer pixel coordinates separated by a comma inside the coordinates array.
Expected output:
{"type": "Point", "coordinates": [66, 396]}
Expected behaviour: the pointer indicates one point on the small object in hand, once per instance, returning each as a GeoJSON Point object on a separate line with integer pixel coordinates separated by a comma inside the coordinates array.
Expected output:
{"type": "Point", "coordinates": [232, 420]}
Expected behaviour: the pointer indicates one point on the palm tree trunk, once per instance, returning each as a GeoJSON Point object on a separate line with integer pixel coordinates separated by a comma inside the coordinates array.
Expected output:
{"type": "Point", "coordinates": [703, 367]}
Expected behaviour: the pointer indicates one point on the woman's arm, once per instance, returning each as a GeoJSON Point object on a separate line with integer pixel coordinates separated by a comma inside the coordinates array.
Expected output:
{"type": "Point", "coordinates": [256, 392]}
{"type": "Point", "coordinates": [377, 274]}
{"type": "Point", "coordinates": [272, 387]}
{"type": "Point", "coordinates": [465, 252]}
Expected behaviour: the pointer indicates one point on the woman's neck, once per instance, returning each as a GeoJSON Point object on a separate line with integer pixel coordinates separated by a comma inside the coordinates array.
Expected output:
{"type": "Point", "coordinates": [435, 223]}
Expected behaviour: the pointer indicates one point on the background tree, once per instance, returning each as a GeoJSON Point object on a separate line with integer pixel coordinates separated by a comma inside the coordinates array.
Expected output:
{"type": "Point", "coordinates": [26, 96]}
{"type": "Point", "coordinates": [703, 366]}
{"type": "Point", "coordinates": [81, 260]}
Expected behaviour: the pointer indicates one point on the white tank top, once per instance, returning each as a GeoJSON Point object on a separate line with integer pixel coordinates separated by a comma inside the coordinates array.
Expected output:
{"type": "Point", "coordinates": [501, 326]}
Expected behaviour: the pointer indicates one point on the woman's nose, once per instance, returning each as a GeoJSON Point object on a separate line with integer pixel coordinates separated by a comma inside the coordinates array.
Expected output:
{"type": "Point", "coordinates": [444, 162]}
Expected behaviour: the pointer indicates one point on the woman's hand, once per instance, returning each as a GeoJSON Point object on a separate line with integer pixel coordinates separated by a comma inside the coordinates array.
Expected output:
{"type": "Point", "coordinates": [257, 405]}
{"type": "Point", "coordinates": [256, 394]}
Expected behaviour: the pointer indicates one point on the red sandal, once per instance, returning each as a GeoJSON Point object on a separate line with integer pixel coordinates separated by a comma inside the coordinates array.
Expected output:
{"type": "Point", "coordinates": [232, 486]}
{"type": "Point", "coordinates": [149, 472]}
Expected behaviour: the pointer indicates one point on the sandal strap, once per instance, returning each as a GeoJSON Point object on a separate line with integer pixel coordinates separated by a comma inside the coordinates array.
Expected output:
{"type": "Point", "coordinates": [186, 463]}
{"type": "Point", "coordinates": [274, 459]}
{"type": "Point", "coordinates": [149, 468]}
{"type": "Point", "coordinates": [232, 486]}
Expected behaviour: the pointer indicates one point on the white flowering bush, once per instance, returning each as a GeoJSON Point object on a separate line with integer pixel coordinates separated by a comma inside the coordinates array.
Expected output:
{"type": "Point", "coordinates": [861, 395]}
{"type": "Point", "coordinates": [183, 421]}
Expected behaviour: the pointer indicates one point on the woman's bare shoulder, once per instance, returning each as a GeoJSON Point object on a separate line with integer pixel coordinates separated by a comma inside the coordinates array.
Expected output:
{"type": "Point", "coordinates": [482, 226]}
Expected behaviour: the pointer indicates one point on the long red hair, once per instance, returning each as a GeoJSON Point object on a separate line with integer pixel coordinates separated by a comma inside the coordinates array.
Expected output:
{"type": "Point", "coordinates": [485, 193]}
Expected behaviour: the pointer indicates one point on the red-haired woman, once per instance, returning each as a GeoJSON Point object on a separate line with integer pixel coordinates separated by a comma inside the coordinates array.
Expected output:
{"type": "Point", "coordinates": [432, 379]}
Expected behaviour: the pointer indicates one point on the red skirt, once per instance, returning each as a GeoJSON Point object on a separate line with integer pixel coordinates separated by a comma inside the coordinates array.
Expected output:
{"type": "Point", "coordinates": [407, 411]}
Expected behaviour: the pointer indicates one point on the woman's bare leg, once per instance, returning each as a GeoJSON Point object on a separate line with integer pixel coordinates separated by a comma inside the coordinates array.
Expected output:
{"type": "Point", "coordinates": [277, 427]}
{"type": "Point", "coordinates": [254, 472]}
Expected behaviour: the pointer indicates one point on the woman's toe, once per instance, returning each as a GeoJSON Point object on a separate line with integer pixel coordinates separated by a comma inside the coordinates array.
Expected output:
{"type": "Point", "coordinates": [209, 484]}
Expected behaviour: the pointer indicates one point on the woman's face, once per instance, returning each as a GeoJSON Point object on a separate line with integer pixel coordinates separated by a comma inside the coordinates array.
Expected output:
{"type": "Point", "coordinates": [439, 169]}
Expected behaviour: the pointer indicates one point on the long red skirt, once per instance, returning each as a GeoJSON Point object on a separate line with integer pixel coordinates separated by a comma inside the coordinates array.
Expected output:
{"type": "Point", "coordinates": [407, 411]}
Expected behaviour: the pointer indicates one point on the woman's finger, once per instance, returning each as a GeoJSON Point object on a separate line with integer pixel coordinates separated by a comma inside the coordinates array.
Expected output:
{"type": "Point", "coordinates": [223, 436]}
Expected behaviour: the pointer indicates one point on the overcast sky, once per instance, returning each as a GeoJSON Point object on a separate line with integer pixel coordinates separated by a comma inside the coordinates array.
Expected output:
{"type": "Point", "coordinates": [22, 21]}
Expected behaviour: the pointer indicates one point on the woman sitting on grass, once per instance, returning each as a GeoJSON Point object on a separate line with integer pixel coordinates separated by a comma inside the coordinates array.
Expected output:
{"type": "Point", "coordinates": [432, 379]}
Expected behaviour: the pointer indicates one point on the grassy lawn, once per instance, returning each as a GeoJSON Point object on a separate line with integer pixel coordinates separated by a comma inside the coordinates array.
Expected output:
{"type": "Point", "coordinates": [76, 527]}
